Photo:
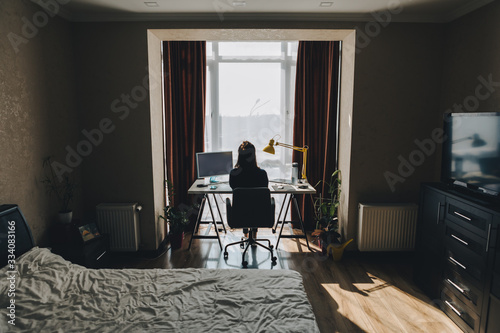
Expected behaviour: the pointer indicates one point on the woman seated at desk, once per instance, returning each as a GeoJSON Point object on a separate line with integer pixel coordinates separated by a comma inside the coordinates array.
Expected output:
{"type": "Point", "coordinates": [246, 173]}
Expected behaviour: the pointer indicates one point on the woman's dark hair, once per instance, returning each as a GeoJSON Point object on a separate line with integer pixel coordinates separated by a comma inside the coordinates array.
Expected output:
{"type": "Point", "coordinates": [246, 156]}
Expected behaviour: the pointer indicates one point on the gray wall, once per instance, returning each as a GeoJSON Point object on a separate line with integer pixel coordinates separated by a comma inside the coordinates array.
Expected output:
{"type": "Point", "coordinates": [396, 98]}
{"type": "Point", "coordinates": [472, 50]}
{"type": "Point", "coordinates": [397, 82]}
{"type": "Point", "coordinates": [405, 78]}
{"type": "Point", "coordinates": [37, 109]}
{"type": "Point", "coordinates": [111, 65]}
{"type": "Point", "coordinates": [424, 75]}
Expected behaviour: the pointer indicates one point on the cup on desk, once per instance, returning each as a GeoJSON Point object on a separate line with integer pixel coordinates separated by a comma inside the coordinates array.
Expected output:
{"type": "Point", "coordinates": [295, 173]}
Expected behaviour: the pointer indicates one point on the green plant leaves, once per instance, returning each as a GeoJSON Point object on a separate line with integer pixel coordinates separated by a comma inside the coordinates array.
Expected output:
{"type": "Point", "coordinates": [177, 219]}
{"type": "Point", "coordinates": [325, 208]}
{"type": "Point", "coordinates": [63, 190]}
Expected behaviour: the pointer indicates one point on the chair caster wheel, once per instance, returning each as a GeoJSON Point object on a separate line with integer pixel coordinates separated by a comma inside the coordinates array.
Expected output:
{"type": "Point", "coordinates": [273, 259]}
{"type": "Point", "coordinates": [242, 245]}
{"type": "Point", "coordinates": [225, 255]}
{"type": "Point", "coordinates": [244, 264]}
{"type": "Point", "coordinates": [271, 247]}
{"type": "Point", "coordinates": [274, 231]}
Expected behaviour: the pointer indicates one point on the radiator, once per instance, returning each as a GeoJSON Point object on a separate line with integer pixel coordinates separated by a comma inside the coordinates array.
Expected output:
{"type": "Point", "coordinates": [121, 222]}
{"type": "Point", "coordinates": [387, 227]}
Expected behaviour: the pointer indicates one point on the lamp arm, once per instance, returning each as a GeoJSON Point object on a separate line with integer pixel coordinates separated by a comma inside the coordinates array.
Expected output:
{"type": "Point", "coordinates": [462, 139]}
{"type": "Point", "coordinates": [304, 164]}
{"type": "Point", "coordinates": [302, 150]}
{"type": "Point", "coordinates": [286, 145]}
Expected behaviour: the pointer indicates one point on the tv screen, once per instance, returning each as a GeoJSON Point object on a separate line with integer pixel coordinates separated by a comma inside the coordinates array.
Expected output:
{"type": "Point", "coordinates": [214, 164]}
{"type": "Point", "coordinates": [471, 152]}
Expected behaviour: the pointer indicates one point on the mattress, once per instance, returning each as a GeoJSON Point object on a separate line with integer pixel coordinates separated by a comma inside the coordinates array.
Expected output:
{"type": "Point", "coordinates": [54, 295]}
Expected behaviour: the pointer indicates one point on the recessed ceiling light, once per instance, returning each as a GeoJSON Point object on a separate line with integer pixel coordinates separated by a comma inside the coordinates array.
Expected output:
{"type": "Point", "coordinates": [326, 4]}
{"type": "Point", "coordinates": [151, 4]}
{"type": "Point", "coordinates": [239, 3]}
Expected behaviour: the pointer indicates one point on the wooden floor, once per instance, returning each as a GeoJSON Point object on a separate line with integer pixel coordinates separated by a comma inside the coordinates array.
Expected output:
{"type": "Point", "coordinates": [360, 293]}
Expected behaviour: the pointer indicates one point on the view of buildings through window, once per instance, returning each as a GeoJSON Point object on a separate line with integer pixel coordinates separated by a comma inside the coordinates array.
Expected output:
{"type": "Point", "coordinates": [250, 96]}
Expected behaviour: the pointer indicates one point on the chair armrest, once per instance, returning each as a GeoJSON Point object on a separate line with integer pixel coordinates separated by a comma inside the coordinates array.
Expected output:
{"type": "Point", "coordinates": [273, 204]}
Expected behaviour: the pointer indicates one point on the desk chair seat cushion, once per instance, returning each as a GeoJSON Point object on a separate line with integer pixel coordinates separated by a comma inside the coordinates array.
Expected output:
{"type": "Point", "coordinates": [252, 207]}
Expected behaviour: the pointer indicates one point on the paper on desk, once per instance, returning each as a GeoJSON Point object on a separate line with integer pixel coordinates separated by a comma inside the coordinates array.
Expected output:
{"type": "Point", "coordinates": [286, 188]}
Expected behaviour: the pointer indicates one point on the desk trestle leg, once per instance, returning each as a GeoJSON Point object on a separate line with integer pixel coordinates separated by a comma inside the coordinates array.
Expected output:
{"type": "Point", "coordinates": [278, 221]}
{"type": "Point", "coordinates": [220, 215]}
{"type": "Point", "coordinates": [304, 235]}
{"type": "Point", "coordinates": [196, 228]}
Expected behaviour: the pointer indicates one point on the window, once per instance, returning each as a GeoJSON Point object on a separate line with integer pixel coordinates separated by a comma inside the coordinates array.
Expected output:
{"type": "Point", "coordinates": [250, 96]}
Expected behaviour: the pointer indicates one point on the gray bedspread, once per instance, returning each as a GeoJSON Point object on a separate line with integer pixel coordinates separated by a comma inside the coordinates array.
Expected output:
{"type": "Point", "coordinates": [54, 295]}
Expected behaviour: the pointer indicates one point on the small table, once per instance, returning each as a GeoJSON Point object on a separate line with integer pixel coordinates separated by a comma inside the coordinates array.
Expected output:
{"type": "Point", "coordinates": [290, 191]}
{"type": "Point", "coordinates": [67, 241]}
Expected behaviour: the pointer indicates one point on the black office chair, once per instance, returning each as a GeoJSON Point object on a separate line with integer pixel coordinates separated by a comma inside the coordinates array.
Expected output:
{"type": "Point", "coordinates": [252, 208]}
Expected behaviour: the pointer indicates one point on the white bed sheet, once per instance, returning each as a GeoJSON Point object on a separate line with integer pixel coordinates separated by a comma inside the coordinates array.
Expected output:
{"type": "Point", "coordinates": [54, 295]}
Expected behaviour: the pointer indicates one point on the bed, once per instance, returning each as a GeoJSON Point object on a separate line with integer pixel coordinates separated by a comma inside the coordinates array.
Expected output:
{"type": "Point", "coordinates": [54, 295]}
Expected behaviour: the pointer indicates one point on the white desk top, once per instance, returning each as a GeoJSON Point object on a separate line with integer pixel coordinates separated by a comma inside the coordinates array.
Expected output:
{"type": "Point", "coordinates": [273, 187]}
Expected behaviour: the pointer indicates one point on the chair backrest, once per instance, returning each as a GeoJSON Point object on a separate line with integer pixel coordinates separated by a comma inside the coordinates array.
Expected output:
{"type": "Point", "coordinates": [252, 208]}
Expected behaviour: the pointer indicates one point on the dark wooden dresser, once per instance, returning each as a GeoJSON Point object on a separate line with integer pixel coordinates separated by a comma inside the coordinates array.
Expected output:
{"type": "Point", "coordinates": [457, 260]}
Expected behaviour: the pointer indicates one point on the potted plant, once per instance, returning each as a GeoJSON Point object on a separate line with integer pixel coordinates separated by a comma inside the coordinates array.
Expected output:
{"type": "Point", "coordinates": [176, 218]}
{"type": "Point", "coordinates": [325, 211]}
{"type": "Point", "coordinates": [327, 223]}
{"type": "Point", "coordinates": [63, 190]}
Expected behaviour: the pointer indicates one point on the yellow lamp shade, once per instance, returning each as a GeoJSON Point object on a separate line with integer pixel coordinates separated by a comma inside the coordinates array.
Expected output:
{"type": "Point", "coordinates": [269, 148]}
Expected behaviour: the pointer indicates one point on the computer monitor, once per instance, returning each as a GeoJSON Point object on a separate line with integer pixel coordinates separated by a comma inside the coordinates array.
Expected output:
{"type": "Point", "coordinates": [214, 163]}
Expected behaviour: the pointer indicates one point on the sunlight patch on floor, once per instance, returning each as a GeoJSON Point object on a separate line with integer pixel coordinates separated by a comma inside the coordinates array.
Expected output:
{"type": "Point", "coordinates": [379, 306]}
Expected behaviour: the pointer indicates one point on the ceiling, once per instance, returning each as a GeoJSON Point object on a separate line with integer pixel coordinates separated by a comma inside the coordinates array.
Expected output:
{"type": "Point", "coordinates": [231, 10]}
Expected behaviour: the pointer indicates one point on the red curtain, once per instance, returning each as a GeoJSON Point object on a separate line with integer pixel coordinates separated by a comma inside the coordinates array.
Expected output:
{"type": "Point", "coordinates": [184, 66]}
{"type": "Point", "coordinates": [315, 123]}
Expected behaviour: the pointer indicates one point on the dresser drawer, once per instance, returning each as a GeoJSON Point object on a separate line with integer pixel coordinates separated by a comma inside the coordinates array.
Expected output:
{"type": "Point", "coordinates": [466, 290]}
{"type": "Point", "coordinates": [458, 236]}
{"type": "Point", "coordinates": [465, 265]}
{"type": "Point", "coordinates": [471, 218]}
{"type": "Point", "coordinates": [97, 260]}
{"type": "Point", "coordinates": [463, 316]}
{"type": "Point", "coordinates": [95, 253]}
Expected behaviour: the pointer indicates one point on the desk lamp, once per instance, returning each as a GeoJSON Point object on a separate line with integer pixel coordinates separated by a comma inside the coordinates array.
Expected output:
{"type": "Point", "coordinates": [270, 149]}
{"type": "Point", "coordinates": [476, 140]}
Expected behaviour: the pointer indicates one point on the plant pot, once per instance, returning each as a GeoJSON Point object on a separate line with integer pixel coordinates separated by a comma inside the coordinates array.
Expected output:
{"type": "Point", "coordinates": [317, 239]}
{"type": "Point", "coordinates": [65, 217]}
{"type": "Point", "coordinates": [328, 240]}
{"type": "Point", "coordinates": [176, 240]}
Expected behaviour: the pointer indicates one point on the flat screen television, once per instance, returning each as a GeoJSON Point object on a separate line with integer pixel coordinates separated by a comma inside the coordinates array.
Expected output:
{"type": "Point", "coordinates": [471, 151]}
{"type": "Point", "coordinates": [214, 163]}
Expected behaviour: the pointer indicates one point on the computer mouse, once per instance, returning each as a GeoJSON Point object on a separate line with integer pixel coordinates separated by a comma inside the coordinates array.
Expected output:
{"type": "Point", "coordinates": [302, 186]}
{"type": "Point", "coordinates": [213, 187]}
